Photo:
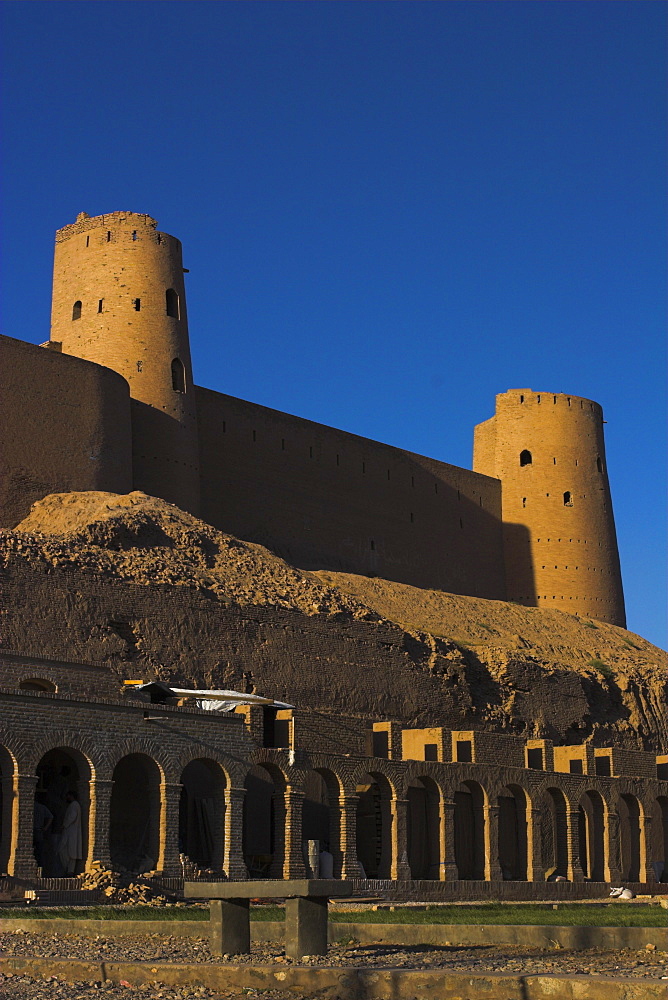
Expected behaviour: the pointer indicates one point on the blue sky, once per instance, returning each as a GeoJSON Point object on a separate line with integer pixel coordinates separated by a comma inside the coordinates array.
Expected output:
{"type": "Point", "coordinates": [390, 211]}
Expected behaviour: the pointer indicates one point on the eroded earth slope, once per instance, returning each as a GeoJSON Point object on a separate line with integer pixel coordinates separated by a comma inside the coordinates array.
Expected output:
{"type": "Point", "coordinates": [137, 583]}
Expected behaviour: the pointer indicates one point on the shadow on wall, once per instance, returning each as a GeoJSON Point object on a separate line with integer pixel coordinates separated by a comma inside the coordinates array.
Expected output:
{"type": "Point", "coordinates": [164, 457]}
{"type": "Point", "coordinates": [519, 564]}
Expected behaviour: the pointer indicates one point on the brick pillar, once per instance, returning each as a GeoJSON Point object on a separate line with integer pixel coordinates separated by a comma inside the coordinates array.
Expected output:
{"type": "Point", "coordinates": [100, 802]}
{"type": "Point", "coordinates": [22, 860]}
{"type": "Point", "coordinates": [233, 857]}
{"type": "Point", "coordinates": [574, 870]}
{"type": "Point", "coordinates": [448, 869]}
{"type": "Point", "coordinates": [293, 864]}
{"type": "Point", "coordinates": [349, 864]}
{"type": "Point", "coordinates": [399, 867]}
{"type": "Point", "coordinates": [491, 840]}
{"type": "Point", "coordinates": [535, 867]}
{"type": "Point", "coordinates": [169, 862]}
{"type": "Point", "coordinates": [647, 873]}
{"type": "Point", "coordinates": [612, 869]}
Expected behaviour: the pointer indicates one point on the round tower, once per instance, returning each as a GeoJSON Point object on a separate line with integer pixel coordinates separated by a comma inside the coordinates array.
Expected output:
{"type": "Point", "coordinates": [119, 301]}
{"type": "Point", "coordinates": [559, 531]}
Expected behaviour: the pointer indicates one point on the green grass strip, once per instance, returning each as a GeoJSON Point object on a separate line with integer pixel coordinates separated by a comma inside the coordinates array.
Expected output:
{"type": "Point", "coordinates": [566, 915]}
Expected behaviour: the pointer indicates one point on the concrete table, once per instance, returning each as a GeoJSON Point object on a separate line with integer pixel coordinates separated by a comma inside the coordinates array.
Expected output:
{"type": "Point", "coordinates": [306, 902]}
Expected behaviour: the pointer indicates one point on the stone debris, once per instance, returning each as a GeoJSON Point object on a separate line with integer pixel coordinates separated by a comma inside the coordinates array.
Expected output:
{"type": "Point", "coordinates": [122, 886]}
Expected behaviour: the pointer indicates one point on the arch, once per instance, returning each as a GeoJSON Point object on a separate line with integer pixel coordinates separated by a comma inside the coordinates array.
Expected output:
{"type": "Point", "coordinates": [555, 834]}
{"type": "Point", "coordinates": [7, 771]}
{"type": "Point", "coordinates": [470, 831]}
{"type": "Point", "coordinates": [591, 827]}
{"type": "Point", "coordinates": [321, 817]}
{"type": "Point", "coordinates": [60, 849]}
{"type": "Point", "coordinates": [526, 458]}
{"type": "Point", "coordinates": [172, 303]}
{"type": "Point", "coordinates": [134, 814]}
{"type": "Point", "coordinates": [513, 833]}
{"type": "Point", "coordinates": [568, 498]}
{"type": "Point", "coordinates": [178, 376]}
{"type": "Point", "coordinates": [37, 684]}
{"type": "Point", "coordinates": [374, 845]}
{"type": "Point", "coordinates": [264, 820]}
{"type": "Point", "coordinates": [202, 813]}
{"type": "Point", "coordinates": [76, 310]}
{"type": "Point", "coordinates": [424, 828]}
{"type": "Point", "coordinates": [629, 837]}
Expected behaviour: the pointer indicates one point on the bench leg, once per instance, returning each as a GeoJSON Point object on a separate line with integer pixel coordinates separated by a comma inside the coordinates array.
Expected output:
{"type": "Point", "coordinates": [229, 927]}
{"type": "Point", "coordinates": [306, 926]}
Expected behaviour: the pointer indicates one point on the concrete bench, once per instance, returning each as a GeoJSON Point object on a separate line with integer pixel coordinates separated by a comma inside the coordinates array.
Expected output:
{"type": "Point", "coordinates": [306, 902]}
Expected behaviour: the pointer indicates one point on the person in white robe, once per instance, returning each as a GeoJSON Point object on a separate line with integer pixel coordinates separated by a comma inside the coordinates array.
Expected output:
{"type": "Point", "coordinates": [70, 848]}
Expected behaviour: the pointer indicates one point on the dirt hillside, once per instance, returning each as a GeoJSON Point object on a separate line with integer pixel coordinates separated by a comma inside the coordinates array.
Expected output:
{"type": "Point", "coordinates": [136, 583]}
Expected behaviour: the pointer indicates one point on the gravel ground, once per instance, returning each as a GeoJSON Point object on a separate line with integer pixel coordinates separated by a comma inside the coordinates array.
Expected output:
{"type": "Point", "coordinates": [169, 948]}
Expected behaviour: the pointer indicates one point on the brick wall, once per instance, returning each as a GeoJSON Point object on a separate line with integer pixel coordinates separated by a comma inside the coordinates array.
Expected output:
{"type": "Point", "coordinates": [325, 499]}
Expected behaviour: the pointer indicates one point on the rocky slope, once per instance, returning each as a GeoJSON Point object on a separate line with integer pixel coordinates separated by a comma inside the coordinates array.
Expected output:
{"type": "Point", "coordinates": [134, 582]}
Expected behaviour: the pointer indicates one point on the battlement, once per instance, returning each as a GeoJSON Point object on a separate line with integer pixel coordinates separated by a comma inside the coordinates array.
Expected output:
{"type": "Point", "coordinates": [85, 223]}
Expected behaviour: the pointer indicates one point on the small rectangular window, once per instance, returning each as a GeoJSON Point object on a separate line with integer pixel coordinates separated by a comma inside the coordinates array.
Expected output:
{"type": "Point", "coordinates": [100, 304]}
{"type": "Point", "coordinates": [463, 751]}
{"type": "Point", "coordinates": [108, 236]}
{"type": "Point", "coordinates": [137, 304]}
{"type": "Point", "coordinates": [431, 751]}
{"type": "Point", "coordinates": [575, 766]}
{"type": "Point", "coordinates": [381, 744]}
{"type": "Point", "coordinates": [88, 241]}
{"type": "Point", "coordinates": [535, 758]}
{"type": "Point", "coordinates": [134, 234]}
{"type": "Point", "coordinates": [602, 765]}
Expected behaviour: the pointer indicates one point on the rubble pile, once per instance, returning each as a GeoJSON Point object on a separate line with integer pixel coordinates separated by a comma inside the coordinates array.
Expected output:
{"type": "Point", "coordinates": [122, 886]}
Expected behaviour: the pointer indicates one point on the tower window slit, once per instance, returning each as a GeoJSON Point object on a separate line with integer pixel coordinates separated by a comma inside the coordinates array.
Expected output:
{"type": "Point", "coordinates": [76, 310]}
{"type": "Point", "coordinates": [178, 376]}
{"type": "Point", "coordinates": [524, 501]}
{"type": "Point", "coordinates": [137, 304]}
{"type": "Point", "coordinates": [88, 241]}
{"type": "Point", "coordinates": [568, 499]}
{"type": "Point", "coordinates": [172, 303]}
{"type": "Point", "coordinates": [599, 463]}
{"type": "Point", "coordinates": [100, 304]}
{"type": "Point", "coordinates": [108, 236]}
{"type": "Point", "coordinates": [134, 234]}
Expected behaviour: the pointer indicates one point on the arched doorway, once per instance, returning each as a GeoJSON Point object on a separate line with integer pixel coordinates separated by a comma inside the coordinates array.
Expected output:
{"type": "Point", "coordinates": [629, 837]}
{"type": "Point", "coordinates": [320, 815]}
{"type": "Point", "coordinates": [264, 821]}
{"type": "Point", "coordinates": [424, 828]}
{"type": "Point", "coordinates": [591, 836]}
{"type": "Point", "coordinates": [512, 803]}
{"type": "Point", "coordinates": [374, 844]}
{"type": "Point", "coordinates": [202, 813]}
{"type": "Point", "coordinates": [6, 808]}
{"type": "Point", "coordinates": [134, 821]}
{"type": "Point", "coordinates": [470, 830]}
{"type": "Point", "coordinates": [63, 776]}
{"type": "Point", "coordinates": [555, 834]}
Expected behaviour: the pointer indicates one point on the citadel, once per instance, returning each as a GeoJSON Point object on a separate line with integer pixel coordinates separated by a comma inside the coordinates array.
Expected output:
{"type": "Point", "coordinates": [108, 405]}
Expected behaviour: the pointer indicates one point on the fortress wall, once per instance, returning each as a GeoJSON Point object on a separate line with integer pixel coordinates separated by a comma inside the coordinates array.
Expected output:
{"type": "Point", "coordinates": [560, 541]}
{"type": "Point", "coordinates": [66, 426]}
{"type": "Point", "coordinates": [325, 499]}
